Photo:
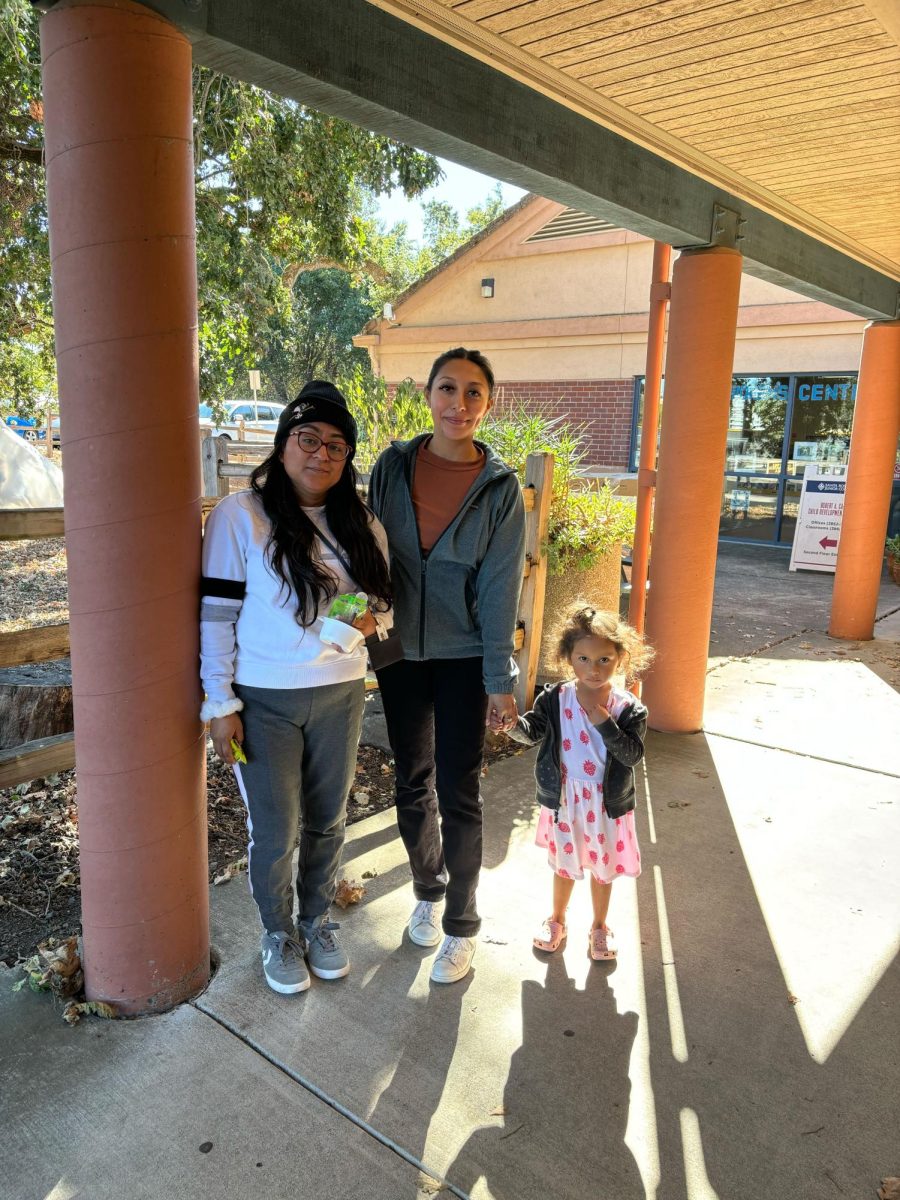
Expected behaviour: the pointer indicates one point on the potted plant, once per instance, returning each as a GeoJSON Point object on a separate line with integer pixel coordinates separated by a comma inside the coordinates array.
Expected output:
{"type": "Point", "coordinates": [892, 550]}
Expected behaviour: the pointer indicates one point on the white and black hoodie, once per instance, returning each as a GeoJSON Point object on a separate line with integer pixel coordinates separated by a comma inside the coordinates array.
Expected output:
{"type": "Point", "coordinates": [248, 629]}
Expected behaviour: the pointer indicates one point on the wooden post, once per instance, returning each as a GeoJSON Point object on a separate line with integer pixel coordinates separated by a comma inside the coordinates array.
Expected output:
{"type": "Point", "coordinates": [539, 482]}
{"type": "Point", "coordinates": [214, 452]}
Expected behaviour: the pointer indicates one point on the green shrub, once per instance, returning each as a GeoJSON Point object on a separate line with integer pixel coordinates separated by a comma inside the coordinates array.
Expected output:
{"type": "Point", "coordinates": [382, 418]}
{"type": "Point", "coordinates": [585, 522]}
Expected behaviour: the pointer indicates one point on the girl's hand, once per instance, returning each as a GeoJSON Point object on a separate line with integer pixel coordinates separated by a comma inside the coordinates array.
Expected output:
{"type": "Point", "coordinates": [366, 623]}
{"type": "Point", "coordinates": [222, 730]}
{"type": "Point", "coordinates": [502, 712]}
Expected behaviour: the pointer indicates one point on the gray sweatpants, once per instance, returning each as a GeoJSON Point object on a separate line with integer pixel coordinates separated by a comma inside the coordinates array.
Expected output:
{"type": "Point", "coordinates": [301, 746]}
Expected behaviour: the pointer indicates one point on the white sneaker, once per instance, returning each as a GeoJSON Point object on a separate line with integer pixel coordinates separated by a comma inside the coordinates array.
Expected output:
{"type": "Point", "coordinates": [425, 923]}
{"type": "Point", "coordinates": [453, 960]}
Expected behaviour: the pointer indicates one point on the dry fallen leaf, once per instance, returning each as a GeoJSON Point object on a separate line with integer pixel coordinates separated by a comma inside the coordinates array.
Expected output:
{"type": "Point", "coordinates": [890, 1188]}
{"type": "Point", "coordinates": [361, 797]}
{"type": "Point", "coordinates": [74, 1011]}
{"type": "Point", "coordinates": [499, 1111]}
{"type": "Point", "coordinates": [348, 892]}
{"type": "Point", "coordinates": [370, 874]}
{"type": "Point", "coordinates": [231, 870]}
{"type": "Point", "coordinates": [792, 999]}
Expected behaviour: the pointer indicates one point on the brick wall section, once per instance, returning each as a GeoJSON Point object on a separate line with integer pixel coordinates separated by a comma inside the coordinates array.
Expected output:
{"type": "Point", "coordinates": [603, 406]}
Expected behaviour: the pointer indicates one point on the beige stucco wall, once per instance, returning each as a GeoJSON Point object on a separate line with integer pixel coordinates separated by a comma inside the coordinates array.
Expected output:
{"type": "Point", "coordinates": [766, 350]}
{"type": "Point", "coordinates": [603, 280]}
{"type": "Point", "coordinates": [537, 288]}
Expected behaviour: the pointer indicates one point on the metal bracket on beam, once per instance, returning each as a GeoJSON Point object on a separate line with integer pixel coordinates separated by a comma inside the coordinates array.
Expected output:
{"type": "Point", "coordinates": [727, 227]}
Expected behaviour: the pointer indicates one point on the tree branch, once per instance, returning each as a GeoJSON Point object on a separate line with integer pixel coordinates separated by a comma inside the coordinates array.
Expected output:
{"type": "Point", "coordinates": [19, 153]}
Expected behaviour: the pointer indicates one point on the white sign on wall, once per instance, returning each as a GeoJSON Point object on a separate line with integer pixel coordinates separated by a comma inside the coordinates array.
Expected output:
{"type": "Point", "coordinates": [818, 528]}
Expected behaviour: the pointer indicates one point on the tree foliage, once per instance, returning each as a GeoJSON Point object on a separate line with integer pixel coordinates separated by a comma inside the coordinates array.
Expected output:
{"type": "Point", "coordinates": [292, 260]}
{"type": "Point", "coordinates": [27, 367]}
{"type": "Point", "coordinates": [279, 189]}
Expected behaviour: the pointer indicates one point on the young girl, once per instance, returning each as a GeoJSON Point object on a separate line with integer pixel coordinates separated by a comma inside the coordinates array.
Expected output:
{"type": "Point", "coordinates": [591, 734]}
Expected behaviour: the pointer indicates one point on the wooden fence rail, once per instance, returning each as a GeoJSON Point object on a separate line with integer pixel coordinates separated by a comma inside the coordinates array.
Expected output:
{"type": "Point", "coordinates": [44, 756]}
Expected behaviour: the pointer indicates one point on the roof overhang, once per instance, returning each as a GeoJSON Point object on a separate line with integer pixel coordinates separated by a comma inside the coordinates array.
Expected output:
{"type": "Point", "coordinates": [352, 60]}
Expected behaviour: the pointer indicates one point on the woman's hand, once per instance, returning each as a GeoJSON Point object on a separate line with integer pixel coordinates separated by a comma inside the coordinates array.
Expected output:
{"type": "Point", "coordinates": [502, 712]}
{"type": "Point", "coordinates": [366, 623]}
{"type": "Point", "coordinates": [222, 730]}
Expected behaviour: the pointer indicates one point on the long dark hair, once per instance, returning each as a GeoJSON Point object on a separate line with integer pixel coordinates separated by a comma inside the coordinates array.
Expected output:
{"type": "Point", "coordinates": [293, 537]}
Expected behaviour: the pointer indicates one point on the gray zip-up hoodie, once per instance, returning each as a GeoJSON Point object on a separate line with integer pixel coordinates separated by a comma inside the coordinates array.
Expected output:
{"type": "Point", "coordinates": [459, 600]}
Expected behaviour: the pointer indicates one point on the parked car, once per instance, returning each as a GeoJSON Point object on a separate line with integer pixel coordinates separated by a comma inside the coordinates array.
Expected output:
{"type": "Point", "coordinates": [32, 430]}
{"type": "Point", "coordinates": [256, 417]}
{"type": "Point", "coordinates": [24, 426]}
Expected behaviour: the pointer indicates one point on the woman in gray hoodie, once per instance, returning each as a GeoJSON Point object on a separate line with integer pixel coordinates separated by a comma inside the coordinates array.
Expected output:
{"type": "Point", "coordinates": [455, 524]}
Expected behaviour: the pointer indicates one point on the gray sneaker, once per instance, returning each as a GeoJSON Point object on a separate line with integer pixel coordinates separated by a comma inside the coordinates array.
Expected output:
{"type": "Point", "coordinates": [326, 956]}
{"type": "Point", "coordinates": [283, 963]}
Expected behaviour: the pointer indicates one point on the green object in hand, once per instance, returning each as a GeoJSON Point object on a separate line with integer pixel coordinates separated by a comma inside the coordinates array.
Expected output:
{"type": "Point", "coordinates": [348, 607]}
{"type": "Point", "coordinates": [239, 755]}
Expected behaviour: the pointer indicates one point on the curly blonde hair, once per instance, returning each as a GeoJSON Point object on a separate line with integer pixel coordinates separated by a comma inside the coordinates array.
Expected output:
{"type": "Point", "coordinates": [582, 620]}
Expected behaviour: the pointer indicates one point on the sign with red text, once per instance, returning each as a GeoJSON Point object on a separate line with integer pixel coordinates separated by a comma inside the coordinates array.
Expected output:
{"type": "Point", "coordinates": [818, 529]}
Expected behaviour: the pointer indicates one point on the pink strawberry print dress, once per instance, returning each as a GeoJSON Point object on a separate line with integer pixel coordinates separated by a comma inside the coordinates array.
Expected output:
{"type": "Point", "coordinates": [584, 838]}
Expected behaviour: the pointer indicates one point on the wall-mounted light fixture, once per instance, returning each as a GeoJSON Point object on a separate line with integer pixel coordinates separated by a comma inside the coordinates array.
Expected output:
{"type": "Point", "coordinates": [388, 311]}
{"type": "Point", "coordinates": [487, 289]}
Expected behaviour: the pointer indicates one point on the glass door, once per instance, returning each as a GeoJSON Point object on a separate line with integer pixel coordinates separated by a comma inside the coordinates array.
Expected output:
{"type": "Point", "coordinates": [754, 458]}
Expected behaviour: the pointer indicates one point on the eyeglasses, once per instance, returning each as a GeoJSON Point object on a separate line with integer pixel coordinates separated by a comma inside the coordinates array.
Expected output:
{"type": "Point", "coordinates": [309, 444]}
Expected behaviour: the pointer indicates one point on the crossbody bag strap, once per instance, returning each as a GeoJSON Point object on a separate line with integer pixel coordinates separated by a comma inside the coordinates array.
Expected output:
{"type": "Point", "coordinates": [337, 552]}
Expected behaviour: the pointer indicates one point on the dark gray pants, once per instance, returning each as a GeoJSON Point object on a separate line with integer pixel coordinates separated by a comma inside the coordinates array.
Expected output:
{"type": "Point", "coordinates": [301, 746]}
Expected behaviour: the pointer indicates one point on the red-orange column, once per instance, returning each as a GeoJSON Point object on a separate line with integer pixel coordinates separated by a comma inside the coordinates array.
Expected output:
{"type": "Point", "coordinates": [656, 337]}
{"type": "Point", "coordinates": [873, 448]}
{"type": "Point", "coordinates": [117, 112]}
{"type": "Point", "coordinates": [702, 322]}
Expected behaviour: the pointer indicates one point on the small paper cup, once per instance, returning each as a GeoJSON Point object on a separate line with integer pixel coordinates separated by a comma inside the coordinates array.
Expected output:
{"type": "Point", "coordinates": [341, 636]}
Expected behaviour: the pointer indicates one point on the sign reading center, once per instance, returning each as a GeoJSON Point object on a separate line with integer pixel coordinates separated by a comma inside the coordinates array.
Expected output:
{"type": "Point", "coordinates": [818, 528]}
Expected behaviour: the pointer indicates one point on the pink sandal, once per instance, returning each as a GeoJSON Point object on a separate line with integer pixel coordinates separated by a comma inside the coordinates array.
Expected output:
{"type": "Point", "coordinates": [552, 936]}
{"type": "Point", "coordinates": [602, 945]}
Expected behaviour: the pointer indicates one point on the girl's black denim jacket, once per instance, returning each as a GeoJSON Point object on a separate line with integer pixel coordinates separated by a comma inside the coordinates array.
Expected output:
{"type": "Point", "coordinates": [623, 738]}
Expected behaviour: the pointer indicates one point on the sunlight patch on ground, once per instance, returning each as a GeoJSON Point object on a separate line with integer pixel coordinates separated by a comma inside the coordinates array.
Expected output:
{"type": "Point", "coordinates": [695, 1178]}
{"type": "Point", "coordinates": [628, 984]}
{"type": "Point", "coordinates": [807, 706]}
{"type": "Point", "coordinates": [62, 1191]}
{"type": "Point", "coordinates": [821, 843]}
{"type": "Point", "coordinates": [673, 998]}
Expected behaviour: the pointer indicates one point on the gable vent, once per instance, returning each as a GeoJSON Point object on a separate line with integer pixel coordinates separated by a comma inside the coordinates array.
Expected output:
{"type": "Point", "coordinates": [570, 223]}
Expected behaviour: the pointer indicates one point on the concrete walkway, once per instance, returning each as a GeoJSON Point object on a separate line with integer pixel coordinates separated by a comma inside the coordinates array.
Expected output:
{"type": "Point", "coordinates": [744, 1046]}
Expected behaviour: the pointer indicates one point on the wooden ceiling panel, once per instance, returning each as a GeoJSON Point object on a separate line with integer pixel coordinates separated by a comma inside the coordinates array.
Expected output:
{"type": "Point", "coordinates": [699, 78]}
{"type": "Point", "coordinates": [761, 28]}
{"type": "Point", "coordinates": [842, 101]}
{"type": "Point", "coordinates": [792, 104]}
{"type": "Point", "coordinates": [784, 85]}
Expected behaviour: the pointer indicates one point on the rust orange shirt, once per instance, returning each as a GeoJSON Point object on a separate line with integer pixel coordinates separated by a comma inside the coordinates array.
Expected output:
{"type": "Point", "coordinates": [439, 486]}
